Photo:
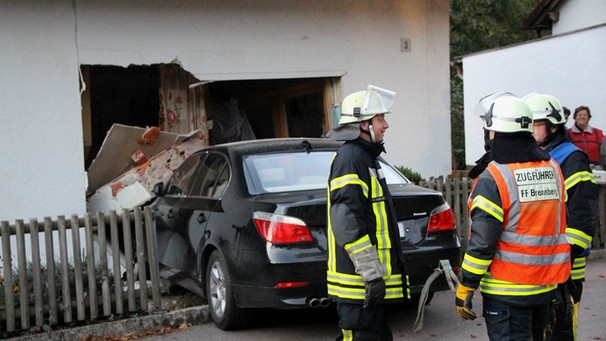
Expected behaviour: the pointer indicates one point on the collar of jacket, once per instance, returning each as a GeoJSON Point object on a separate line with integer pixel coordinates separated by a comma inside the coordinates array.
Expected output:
{"type": "Point", "coordinates": [557, 140]}
{"type": "Point", "coordinates": [576, 129]}
{"type": "Point", "coordinates": [372, 148]}
{"type": "Point", "coordinates": [481, 164]}
{"type": "Point", "coordinates": [517, 147]}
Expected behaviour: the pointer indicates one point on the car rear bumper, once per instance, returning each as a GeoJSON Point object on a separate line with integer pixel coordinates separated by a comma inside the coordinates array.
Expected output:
{"type": "Point", "coordinates": [312, 295]}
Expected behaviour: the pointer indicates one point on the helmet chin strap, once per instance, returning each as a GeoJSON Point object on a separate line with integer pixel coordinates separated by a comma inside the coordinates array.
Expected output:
{"type": "Point", "coordinates": [370, 133]}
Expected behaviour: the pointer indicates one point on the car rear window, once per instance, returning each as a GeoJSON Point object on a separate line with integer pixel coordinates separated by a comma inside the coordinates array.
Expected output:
{"type": "Point", "coordinates": [297, 171]}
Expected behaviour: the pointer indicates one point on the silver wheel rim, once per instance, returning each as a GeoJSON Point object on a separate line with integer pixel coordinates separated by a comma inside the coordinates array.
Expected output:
{"type": "Point", "coordinates": [217, 290]}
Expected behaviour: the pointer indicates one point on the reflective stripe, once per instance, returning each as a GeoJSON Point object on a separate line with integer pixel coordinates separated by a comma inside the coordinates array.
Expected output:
{"type": "Point", "coordinates": [488, 207]}
{"type": "Point", "coordinates": [513, 257]}
{"type": "Point", "coordinates": [347, 334]}
{"type": "Point", "coordinates": [381, 221]}
{"type": "Point", "coordinates": [353, 287]}
{"type": "Point", "coordinates": [579, 237]}
{"type": "Point", "coordinates": [491, 285]}
{"type": "Point", "coordinates": [528, 240]}
{"type": "Point", "coordinates": [357, 281]}
{"type": "Point", "coordinates": [358, 245]}
{"type": "Point", "coordinates": [475, 265]}
{"type": "Point", "coordinates": [348, 179]}
{"type": "Point", "coordinates": [578, 268]}
{"type": "Point", "coordinates": [578, 177]}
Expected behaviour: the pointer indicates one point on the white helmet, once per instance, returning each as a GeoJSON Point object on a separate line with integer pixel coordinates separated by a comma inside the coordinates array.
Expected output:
{"type": "Point", "coordinates": [545, 107]}
{"type": "Point", "coordinates": [508, 114]}
{"type": "Point", "coordinates": [364, 105]}
{"type": "Point", "coordinates": [484, 104]}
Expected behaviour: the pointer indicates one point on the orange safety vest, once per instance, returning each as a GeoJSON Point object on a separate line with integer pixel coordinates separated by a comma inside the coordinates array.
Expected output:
{"type": "Point", "coordinates": [533, 248]}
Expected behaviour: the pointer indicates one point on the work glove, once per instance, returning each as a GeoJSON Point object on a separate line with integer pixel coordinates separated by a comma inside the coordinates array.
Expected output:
{"type": "Point", "coordinates": [375, 292]}
{"type": "Point", "coordinates": [463, 302]}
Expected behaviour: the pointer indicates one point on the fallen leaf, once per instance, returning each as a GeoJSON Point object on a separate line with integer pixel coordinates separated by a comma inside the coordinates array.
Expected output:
{"type": "Point", "coordinates": [473, 336]}
{"type": "Point", "coordinates": [600, 275]}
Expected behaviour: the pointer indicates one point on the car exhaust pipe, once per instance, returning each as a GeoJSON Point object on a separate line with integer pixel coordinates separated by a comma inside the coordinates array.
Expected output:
{"type": "Point", "coordinates": [324, 302]}
{"type": "Point", "coordinates": [313, 302]}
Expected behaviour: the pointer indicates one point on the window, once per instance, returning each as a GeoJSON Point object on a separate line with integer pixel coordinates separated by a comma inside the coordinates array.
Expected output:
{"type": "Point", "coordinates": [212, 176]}
{"type": "Point", "coordinates": [178, 184]}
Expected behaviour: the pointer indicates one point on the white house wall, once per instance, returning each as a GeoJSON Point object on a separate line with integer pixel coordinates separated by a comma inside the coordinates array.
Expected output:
{"type": "Point", "coordinates": [578, 14]}
{"type": "Point", "coordinates": [41, 130]}
{"type": "Point", "coordinates": [215, 40]}
{"type": "Point", "coordinates": [568, 66]}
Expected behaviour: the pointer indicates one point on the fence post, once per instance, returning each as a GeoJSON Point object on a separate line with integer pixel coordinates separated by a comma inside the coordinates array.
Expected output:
{"type": "Point", "coordinates": [64, 263]}
{"type": "Point", "coordinates": [22, 273]}
{"type": "Point", "coordinates": [128, 254]}
{"type": "Point", "coordinates": [114, 239]}
{"type": "Point", "coordinates": [141, 258]}
{"type": "Point", "coordinates": [9, 303]}
{"type": "Point", "coordinates": [150, 230]}
{"type": "Point", "coordinates": [50, 271]}
{"type": "Point", "coordinates": [36, 272]}
{"type": "Point", "coordinates": [79, 283]}
{"type": "Point", "coordinates": [105, 292]}
{"type": "Point", "coordinates": [90, 267]}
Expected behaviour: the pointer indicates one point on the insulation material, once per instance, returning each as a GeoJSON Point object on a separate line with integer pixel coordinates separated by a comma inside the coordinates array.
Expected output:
{"type": "Point", "coordinates": [130, 148]}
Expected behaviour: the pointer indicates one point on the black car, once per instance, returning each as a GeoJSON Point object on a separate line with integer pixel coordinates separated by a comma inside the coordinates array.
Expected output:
{"type": "Point", "coordinates": [244, 225]}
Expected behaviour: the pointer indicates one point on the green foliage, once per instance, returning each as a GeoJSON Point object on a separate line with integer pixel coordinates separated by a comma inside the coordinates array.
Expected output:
{"type": "Point", "coordinates": [478, 25]}
{"type": "Point", "coordinates": [410, 174]}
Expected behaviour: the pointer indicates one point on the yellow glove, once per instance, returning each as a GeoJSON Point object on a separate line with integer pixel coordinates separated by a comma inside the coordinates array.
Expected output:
{"type": "Point", "coordinates": [463, 302]}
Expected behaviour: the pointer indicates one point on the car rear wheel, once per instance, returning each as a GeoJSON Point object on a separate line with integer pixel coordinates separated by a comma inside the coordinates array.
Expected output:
{"type": "Point", "coordinates": [222, 305]}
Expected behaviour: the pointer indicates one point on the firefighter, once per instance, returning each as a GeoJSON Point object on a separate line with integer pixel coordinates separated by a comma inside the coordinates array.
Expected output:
{"type": "Point", "coordinates": [582, 202]}
{"type": "Point", "coordinates": [517, 251]}
{"type": "Point", "coordinates": [365, 261]}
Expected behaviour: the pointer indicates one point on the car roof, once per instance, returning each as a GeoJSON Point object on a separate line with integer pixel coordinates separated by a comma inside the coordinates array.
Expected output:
{"type": "Point", "coordinates": [278, 144]}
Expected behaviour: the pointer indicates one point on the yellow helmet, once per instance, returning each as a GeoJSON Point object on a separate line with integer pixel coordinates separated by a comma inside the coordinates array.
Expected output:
{"type": "Point", "coordinates": [364, 105]}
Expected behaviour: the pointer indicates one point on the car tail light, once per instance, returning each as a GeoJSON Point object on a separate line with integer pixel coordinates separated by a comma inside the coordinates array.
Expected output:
{"type": "Point", "coordinates": [283, 285]}
{"type": "Point", "coordinates": [281, 229]}
{"type": "Point", "coordinates": [441, 219]}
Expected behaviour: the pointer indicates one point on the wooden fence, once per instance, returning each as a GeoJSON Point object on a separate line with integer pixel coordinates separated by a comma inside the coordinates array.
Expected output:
{"type": "Point", "coordinates": [87, 281]}
{"type": "Point", "coordinates": [456, 192]}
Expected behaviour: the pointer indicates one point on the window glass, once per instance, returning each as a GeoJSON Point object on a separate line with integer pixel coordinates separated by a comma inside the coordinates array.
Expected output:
{"type": "Point", "coordinates": [212, 173]}
{"type": "Point", "coordinates": [284, 172]}
{"type": "Point", "coordinates": [392, 176]}
{"type": "Point", "coordinates": [179, 182]}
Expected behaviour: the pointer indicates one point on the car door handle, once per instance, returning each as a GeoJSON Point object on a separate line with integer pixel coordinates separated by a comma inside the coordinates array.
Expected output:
{"type": "Point", "coordinates": [201, 218]}
{"type": "Point", "coordinates": [170, 213]}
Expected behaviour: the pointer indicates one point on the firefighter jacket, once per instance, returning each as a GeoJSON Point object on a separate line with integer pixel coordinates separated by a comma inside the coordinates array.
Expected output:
{"type": "Point", "coordinates": [518, 246]}
{"type": "Point", "coordinates": [361, 216]}
{"type": "Point", "coordinates": [581, 203]}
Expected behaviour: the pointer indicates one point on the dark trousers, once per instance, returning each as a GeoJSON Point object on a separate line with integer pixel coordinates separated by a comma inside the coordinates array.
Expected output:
{"type": "Point", "coordinates": [510, 323]}
{"type": "Point", "coordinates": [565, 312]}
{"type": "Point", "coordinates": [361, 324]}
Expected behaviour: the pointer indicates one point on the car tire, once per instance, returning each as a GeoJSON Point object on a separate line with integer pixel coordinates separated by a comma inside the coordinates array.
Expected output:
{"type": "Point", "coordinates": [221, 302]}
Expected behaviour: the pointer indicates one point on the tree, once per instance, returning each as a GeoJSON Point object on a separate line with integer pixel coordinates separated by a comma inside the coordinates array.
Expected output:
{"type": "Point", "coordinates": [478, 25]}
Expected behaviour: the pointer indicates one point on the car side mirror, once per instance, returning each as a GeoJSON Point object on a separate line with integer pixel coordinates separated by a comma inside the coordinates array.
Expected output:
{"type": "Point", "coordinates": [159, 189]}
